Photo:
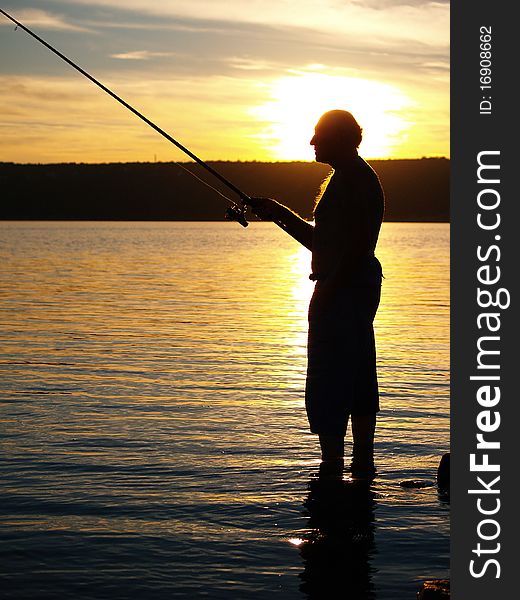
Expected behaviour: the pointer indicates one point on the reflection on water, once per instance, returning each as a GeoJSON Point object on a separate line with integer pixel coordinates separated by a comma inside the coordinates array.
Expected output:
{"type": "Point", "coordinates": [338, 548]}
{"type": "Point", "coordinates": [154, 436]}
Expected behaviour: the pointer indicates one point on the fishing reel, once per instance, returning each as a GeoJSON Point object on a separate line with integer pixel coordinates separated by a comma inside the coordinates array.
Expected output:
{"type": "Point", "coordinates": [237, 213]}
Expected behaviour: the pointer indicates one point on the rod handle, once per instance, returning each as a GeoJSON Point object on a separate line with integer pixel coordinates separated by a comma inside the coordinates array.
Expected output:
{"type": "Point", "coordinates": [236, 214]}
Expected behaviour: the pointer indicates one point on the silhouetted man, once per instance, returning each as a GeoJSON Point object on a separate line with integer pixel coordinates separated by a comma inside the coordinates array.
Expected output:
{"type": "Point", "coordinates": [341, 371]}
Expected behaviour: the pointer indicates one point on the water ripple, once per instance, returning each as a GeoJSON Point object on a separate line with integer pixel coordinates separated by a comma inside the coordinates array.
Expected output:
{"type": "Point", "coordinates": [154, 437]}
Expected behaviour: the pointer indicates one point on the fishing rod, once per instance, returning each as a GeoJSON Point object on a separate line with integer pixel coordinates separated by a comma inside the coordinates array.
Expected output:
{"type": "Point", "coordinates": [236, 212]}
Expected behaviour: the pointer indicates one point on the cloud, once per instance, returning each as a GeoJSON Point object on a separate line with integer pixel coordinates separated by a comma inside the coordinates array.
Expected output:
{"type": "Point", "coordinates": [244, 63]}
{"type": "Point", "coordinates": [379, 22]}
{"type": "Point", "coordinates": [385, 38]}
{"type": "Point", "coordinates": [140, 55]}
{"type": "Point", "coordinates": [33, 17]}
{"type": "Point", "coordinates": [61, 120]}
{"type": "Point", "coordinates": [198, 68]}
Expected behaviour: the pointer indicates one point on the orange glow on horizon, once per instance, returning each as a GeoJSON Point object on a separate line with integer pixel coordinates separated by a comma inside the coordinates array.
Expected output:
{"type": "Point", "coordinates": [63, 120]}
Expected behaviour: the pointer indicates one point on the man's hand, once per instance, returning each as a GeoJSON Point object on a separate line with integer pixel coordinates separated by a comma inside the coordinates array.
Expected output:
{"type": "Point", "coordinates": [266, 209]}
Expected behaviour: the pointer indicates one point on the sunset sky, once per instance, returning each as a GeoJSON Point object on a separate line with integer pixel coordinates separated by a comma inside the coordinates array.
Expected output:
{"type": "Point", "coordinates": [231, 80]}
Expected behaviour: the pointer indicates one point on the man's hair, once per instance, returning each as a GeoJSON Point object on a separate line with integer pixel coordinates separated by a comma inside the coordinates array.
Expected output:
{"type": "Point", "coordinates": [346, 125]}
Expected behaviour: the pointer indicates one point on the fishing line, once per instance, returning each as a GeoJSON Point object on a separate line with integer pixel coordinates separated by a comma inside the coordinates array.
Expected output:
{"type": "Point", "coordinates": [235, 212]}
{"type": "Point", "coordinates": [204, 182]}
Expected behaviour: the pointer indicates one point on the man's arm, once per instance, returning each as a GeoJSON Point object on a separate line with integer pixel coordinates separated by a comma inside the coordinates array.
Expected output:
{"type": "Point", "coordinates": [271, 210]}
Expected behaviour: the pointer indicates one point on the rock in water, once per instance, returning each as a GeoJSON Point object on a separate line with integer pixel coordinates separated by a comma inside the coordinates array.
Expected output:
{"type": "Point", "coordinates": [435, 589]}
{"type": "Point", "coordinates": [415, 483]}
{"type": "Point", "coordinates": [443, 473]}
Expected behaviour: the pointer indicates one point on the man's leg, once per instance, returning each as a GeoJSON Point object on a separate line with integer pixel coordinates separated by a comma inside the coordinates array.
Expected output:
{"type": "Point", "coordinates": [332, 450]}
{"type": "Point", "coordinates": [363, 430]}
{"type": "Point", "coordinates": [332, 447]}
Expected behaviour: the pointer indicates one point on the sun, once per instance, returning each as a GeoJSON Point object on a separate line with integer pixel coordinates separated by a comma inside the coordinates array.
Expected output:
{"type": "Point", "coordinates": [300, 98]}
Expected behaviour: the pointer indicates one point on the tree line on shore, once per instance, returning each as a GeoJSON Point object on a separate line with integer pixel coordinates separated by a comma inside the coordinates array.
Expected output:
{"type": "Point", "coordinates": [415, 189]}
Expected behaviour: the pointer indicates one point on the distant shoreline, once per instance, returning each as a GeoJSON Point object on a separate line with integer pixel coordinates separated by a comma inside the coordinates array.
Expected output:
{"type": "Point", "coordinates": [215, 162]}
{"type": "Point", "coordinates": [416, 190]}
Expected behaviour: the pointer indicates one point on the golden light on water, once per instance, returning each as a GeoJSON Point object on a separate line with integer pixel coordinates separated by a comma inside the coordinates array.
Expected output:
{"type": "Point", "coordinates": [416, 286]}
{"type": "Point", "coordinates": [300, 293]}
{"type": "Point", "coordinates": [155, 369]}
{"type": "Point", "coordinates": [296, 541]}
{"type": "Point", "coordinates": [300, 98]}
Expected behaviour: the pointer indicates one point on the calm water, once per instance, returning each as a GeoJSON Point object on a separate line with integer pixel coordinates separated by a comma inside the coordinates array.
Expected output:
{"type": "Point", "coordinates": [154, 437]}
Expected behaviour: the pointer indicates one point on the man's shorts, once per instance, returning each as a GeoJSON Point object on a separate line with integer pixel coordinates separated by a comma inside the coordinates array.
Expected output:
{"type": "Point", "coordinates": [341, 368]}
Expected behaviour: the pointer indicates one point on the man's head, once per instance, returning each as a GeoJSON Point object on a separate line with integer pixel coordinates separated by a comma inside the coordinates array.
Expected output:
{"type": "Point", "coordinates": [337, 136]}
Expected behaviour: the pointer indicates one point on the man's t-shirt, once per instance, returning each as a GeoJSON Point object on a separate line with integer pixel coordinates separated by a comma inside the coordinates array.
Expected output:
{"type": "Point", "coordinates": [347, 218]}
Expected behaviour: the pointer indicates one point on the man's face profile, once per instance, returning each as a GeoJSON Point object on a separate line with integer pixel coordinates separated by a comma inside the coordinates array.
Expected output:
{"type": "Point", "coordinates": [325, 141]}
